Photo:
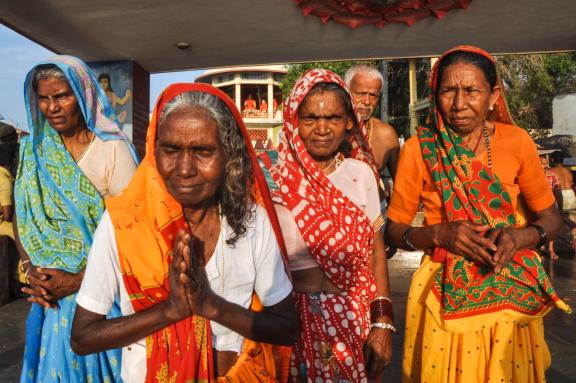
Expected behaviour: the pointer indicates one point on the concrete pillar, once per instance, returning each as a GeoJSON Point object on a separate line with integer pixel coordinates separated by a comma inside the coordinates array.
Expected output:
{"type": "Point", "coordinates": [383, 66]}
{"type": "Point", "coordinates": [413, 94]}
{"type": "Point", "coordinates": [141, 108]}
{"type": "Point", "coordinates": [238, 93]}
{"type": "Point", "coordinates": [270, 100]}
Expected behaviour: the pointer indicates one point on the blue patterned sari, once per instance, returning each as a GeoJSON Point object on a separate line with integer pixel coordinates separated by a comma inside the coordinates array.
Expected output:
{"type": "Point", "coordinates": [57, 210]}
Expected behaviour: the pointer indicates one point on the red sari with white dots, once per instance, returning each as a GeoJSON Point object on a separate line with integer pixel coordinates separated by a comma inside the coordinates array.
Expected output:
{"type": "Point", "coordinates": [339, 236]}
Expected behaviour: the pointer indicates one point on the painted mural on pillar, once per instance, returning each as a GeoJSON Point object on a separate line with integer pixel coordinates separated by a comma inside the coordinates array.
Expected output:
{"type": "Point", "coordinates": [116, 80]}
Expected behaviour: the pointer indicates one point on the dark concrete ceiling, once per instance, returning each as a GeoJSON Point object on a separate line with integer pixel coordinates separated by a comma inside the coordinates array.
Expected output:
{"type": "Point", "coordinates": [246, 32]}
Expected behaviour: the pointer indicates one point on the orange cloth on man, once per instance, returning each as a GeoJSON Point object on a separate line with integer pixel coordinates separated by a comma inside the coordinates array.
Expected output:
{"type": "Point", "coordinates": [146, 219]}
{"type": "Point", "coordinates": [263, 106]}
{"type": "Point", "coordinates": [249, 104]}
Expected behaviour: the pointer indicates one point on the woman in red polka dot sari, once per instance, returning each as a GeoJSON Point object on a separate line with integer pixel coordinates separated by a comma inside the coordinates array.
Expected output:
{"type": "Point", "coordinates": [325, 189]}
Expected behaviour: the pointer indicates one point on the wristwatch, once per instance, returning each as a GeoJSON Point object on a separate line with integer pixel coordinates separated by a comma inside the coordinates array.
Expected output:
{"type": "Point", "coordinates": [541, 232]}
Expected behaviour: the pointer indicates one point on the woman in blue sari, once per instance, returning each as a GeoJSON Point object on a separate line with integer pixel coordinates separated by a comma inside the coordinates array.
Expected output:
{"type": "Point", "coordinates": [74, 157]}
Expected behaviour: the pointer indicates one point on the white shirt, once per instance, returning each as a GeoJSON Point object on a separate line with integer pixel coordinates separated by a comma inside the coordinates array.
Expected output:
{"type": "Point", "coordinates": [254, 264]}
{"type": "Point", "coordinates": [356, 180]}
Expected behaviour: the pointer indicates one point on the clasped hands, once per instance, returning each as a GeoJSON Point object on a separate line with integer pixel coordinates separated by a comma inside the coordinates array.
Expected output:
{"type": "Point", "coordinates": [47, 286]}
{"type": "Point", "coordinates": [190, 291]}
{"type": "Point", "coordinates": [479, 243]}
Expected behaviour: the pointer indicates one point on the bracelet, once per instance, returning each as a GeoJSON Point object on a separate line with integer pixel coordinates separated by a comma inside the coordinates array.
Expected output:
{"type": "Point", "coordinates": [381, 297]}
{"type": "Point", "coordinates": [25, 262]}
{"type": "Point", "coordinates": [381, 307]}
{"type": "Point", "coordinates": [406, 240]}
{"type": "Point", "coordinates": [26, 274]}
{"type": "Point", "coordinates": [385, 326]}
{"type": "Point", "coordinates": [541, 232]}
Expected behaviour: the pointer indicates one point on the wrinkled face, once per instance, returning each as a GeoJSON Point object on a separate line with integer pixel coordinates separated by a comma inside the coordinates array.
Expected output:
{"type": "Point", "coordinates": [323, 122]}
{"type": "Point", "coordinates": [190, 158]}
{"type": "Point", "coordinates": [465, 96]}
{"type": "Point", "coordinates": [544, 161]}
{"type": "Point", "coordinates": [366, 93]}
{"type": "Point", "coordinates": [104, 83]}
{"type": "Point", "coordinates": [58, 104]}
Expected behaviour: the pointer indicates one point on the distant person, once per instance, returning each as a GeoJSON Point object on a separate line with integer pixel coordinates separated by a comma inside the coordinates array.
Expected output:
{"type": "Point", "coordinates": [366, 83]}
{"type": "Point", "coordinates": [74, 157]}
{"type": "Point", "coordinates": [263, 106]}
{"type": "Point", "coordinates": [249, 103]}
{"type": "Point", "coordinates": [8, 148]}
{"type": "Point", "coordinates": [106, 83]}
{"type": "Point", "coordinates": [566, 180]}
{"type": "Point", "coordinates": [554, 183]}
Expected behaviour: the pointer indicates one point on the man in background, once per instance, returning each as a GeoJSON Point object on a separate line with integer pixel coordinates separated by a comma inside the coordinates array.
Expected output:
{"type": "Point", "coordinates": [554, 183]}
{"type": "Point", "coordinates": [566, 180]}
{"type": "Point", "coordinates": [366, 84]}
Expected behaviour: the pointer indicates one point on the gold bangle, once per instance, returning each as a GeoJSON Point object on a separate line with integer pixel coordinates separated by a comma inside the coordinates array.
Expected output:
{"type": "Point", "coordinates": [26, 274]}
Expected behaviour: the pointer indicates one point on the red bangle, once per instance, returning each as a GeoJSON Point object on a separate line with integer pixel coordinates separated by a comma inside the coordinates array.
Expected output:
{"type": "Point", "coordinates": [381, 307]}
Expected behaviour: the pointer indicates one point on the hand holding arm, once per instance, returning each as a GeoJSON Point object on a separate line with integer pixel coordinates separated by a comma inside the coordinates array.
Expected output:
{"type": "Point", "coordinates": [461, 237]}
{"type": "Point", "coordinates": [511, 239]}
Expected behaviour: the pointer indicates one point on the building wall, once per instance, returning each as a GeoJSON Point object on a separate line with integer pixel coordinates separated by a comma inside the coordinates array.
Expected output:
{"type": "Point", "coordinates": [564, 114]}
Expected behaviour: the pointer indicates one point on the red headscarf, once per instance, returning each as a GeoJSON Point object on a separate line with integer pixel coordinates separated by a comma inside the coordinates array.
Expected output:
{"type": "Point", "coordinates": [338, 234]}
{"type": "Point", "coordinates": [340, 238]}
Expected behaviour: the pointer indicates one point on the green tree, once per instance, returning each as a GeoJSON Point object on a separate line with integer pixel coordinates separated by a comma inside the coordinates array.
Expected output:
{"type": "Point", "coordinates": [297, 70]}
{"type": "Point", "coordinates": [531, 82]}
{"type": "Point", "coordinates": [398, 90]}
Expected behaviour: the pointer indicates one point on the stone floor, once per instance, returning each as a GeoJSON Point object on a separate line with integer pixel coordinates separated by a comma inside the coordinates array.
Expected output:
{"type": "Point", "coordinates": [560, 328]}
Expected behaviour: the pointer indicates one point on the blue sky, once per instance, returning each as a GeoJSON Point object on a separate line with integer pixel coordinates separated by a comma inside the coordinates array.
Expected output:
{"type": "Point", "coordinates": [18, 55]}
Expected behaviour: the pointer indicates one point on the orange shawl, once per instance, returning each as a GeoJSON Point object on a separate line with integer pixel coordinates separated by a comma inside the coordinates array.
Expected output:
{"type": "Point", "coordinates": [146, 219]}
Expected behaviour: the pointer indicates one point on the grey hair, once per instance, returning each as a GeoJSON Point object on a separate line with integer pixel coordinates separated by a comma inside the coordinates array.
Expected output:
{"type": "Point", "coordinates": [368, 70]}
{"type": "Point", "coordinates": [235, 196]}
{"type": "Point", "coordinates": [44, 71]}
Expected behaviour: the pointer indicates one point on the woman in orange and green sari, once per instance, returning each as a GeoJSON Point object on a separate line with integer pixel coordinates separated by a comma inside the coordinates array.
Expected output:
{"type": "Point", "coordinates": [194, 252]}
{"type": "Point", "coordinates": [476, 303]}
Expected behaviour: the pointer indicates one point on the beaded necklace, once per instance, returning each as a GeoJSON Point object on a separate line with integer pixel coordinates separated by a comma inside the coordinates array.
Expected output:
{"type": "Point", "coordinates": [487, 143]}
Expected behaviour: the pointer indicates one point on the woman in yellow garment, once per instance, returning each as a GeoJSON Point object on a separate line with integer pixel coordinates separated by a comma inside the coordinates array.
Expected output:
{"type": "Point", "coordinates": [476, 303]}
{"type": "Point", "coordinates": [8, 147]}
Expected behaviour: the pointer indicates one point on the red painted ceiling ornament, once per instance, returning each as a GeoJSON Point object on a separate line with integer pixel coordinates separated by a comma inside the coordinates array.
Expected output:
{"type": "Point", "coordinates": [357, 13]}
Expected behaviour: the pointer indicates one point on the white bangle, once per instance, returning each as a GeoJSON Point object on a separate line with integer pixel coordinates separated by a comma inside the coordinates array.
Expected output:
{"type": "Point", "coordinates": [381, 297]}
{"type": "Point", "coordinates": [385, 326]}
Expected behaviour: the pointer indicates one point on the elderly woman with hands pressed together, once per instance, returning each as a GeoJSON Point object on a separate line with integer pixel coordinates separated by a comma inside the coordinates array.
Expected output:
{"type": "Point", "coordinates": [75, 156]}
{"type": "Point", "coordinates": [476, 303]}
{"type": "Point", "coordinates": [191, 250]}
